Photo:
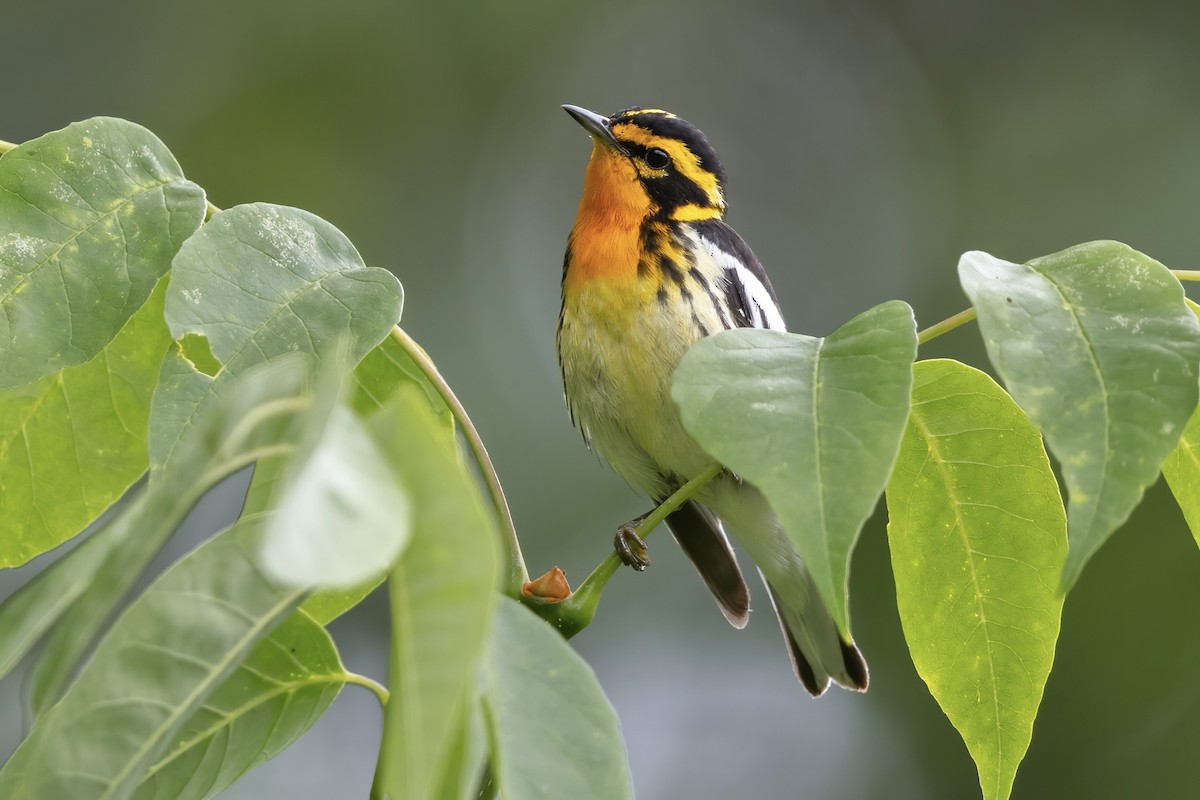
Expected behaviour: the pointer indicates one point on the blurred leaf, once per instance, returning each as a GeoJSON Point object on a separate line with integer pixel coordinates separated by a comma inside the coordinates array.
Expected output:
{"type": "Point", "coordinates": [168, 652]}
{"type": "Point", "coordinates": [90, 218]}
{"type": "Point", "coordinates": [261, 414]}
{"type": "Point", "coordinates": [1182, 467]}
{"type": "Point", "coordinates": [442, 595]}
{"type": "Point", "coordinates": [978, 539]}
{"type": "Point", "coordinates": [72, 443]}
{"type": "Point", "coordinates": [375, 380]}
{"type": "Point", "coordinates": [273, 697]}
{"type": "Point", "coordinates": [30, 612]}
{"type": "Point", "coordinates": [813, 423]}
{"type": "Point", "coordinates": [258, 281]}
{"type": "Point", "coordinates": [467, 758]}
{"type": "Point", "coordinates": [343, 516]}
{"type": "Point", "coordinates": [553, 732]}
{"type": "Point", "coordinates": [1096, 345]}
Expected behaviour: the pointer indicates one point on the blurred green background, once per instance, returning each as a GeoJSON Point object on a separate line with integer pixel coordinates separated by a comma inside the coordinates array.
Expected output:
{"type": "Point", "coordinates": [869, 144]}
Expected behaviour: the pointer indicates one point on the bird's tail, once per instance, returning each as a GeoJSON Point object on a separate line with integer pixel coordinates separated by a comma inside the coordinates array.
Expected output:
{"type": "Point", "coordinates": [818, 653]}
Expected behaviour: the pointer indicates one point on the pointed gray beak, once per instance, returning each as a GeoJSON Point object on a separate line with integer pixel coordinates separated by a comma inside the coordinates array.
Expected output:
{"type": "Point", "coordinates": [596, 125]}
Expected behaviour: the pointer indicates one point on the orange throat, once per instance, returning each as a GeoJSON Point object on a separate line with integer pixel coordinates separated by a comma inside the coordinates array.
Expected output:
{"type": "Point", "coordinates": [606, 240]}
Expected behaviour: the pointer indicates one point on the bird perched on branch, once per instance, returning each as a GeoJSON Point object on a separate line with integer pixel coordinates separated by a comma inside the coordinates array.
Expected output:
{"type": "Point", "coordinates": [651, 267]}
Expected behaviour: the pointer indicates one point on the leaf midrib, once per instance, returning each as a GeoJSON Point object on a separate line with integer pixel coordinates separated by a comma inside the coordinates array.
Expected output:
{"type": "Point", "coordinates": [231, 718]}
{"type": "Point", "coordinates": [960, 525]}
{"type": "Point", "coordinates": [143, 190]}
{"type": "Point", "coordinates": [186, 705]}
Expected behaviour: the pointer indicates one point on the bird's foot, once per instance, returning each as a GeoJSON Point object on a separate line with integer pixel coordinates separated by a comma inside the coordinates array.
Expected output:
{"type": "Point", "coordinates": [630, 547]}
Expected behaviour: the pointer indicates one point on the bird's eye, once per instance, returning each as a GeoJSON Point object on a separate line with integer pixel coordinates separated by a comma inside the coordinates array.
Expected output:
{"type": "Point", "coordinates": [657, 159]}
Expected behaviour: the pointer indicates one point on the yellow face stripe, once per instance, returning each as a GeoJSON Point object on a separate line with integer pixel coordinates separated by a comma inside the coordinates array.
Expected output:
{"type": "Point", "coordinates": [690, 212]}
{"type": "Point", "coordinates": [686, 162]}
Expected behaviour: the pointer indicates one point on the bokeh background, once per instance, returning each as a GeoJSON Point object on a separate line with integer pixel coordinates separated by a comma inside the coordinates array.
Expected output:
{"type": "Point", "coordinates": [869, 144]}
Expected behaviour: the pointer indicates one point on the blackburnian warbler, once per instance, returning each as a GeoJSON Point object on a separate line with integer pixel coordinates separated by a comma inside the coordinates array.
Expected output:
{"type": "Point", "coordinates": [651, 267]}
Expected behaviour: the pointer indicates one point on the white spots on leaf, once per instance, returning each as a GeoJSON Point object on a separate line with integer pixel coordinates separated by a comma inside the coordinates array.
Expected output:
{"type": "Point", "coordinates": [193, 296]}
{"type": "Point", "coordinates": [293, 242]}
{"type": "Point", "coordinates": [17, 247]}
{"type": "Point", "coordinates": [62, 192]}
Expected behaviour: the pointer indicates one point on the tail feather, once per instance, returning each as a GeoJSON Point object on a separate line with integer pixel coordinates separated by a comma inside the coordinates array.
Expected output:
{"type": "Point", "coordinates": [703, 539]}
{"type": "Point", "coordinates": [818, 653]}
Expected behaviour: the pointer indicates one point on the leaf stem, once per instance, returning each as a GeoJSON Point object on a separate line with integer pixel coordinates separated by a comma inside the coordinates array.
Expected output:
{"type": "Point", "coordinates": [946, 325]}
{"type": "Point", "coordinates": [375, 686]}
{"type": "Point", "coordinates": [575, 613]}
{"type": "Point", "coordinates": [5, 146]}
{"type": "Point", "coordinates": [518, 575]}
{"type": "Point", "coordinates": [1186, 274]}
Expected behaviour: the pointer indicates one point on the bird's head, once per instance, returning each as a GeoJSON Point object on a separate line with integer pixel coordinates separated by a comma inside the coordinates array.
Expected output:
{"type": "Point", "coordinates": [650, 163]}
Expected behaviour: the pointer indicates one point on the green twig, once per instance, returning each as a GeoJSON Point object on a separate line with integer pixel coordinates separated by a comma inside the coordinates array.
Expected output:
{"type": "Point", "coordinates": [375, 686]}
{"type": "Point", "coordinates": [946, 325]}
{"type": "Point", "coordinates": [518, 574]}
{"type": "Point", "coordinates": [575, 613]}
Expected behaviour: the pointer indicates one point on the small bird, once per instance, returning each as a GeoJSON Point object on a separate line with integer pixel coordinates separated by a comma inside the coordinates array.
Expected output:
{"type": "Point", "coordinates": [651, 268]}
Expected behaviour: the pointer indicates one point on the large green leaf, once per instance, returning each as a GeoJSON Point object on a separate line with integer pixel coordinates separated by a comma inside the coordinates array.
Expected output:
{"type": "Point", "coordinates": [978, 538]}
{"type": "Point", "coordinates": [1182, 467]}
{"type": "Point", "coordinates": [263, 414]}
{"type": "Point", "coordinates": [255, 282]}
{"type": "Point", "coordinates": [467, 759]}
{"type": "Point", "coordinates": [442, 596]}
{"type": "Point", "coordinates": [375, 380]}
{"type": "Point", "coordinates": [553, 732]}
{"type": "Point", "coordinates": [163, 657]}
{"type": "Point", "coordinates": [90, 218]}
{"type": "Point", "coordinates": [813, 423]}
{"type": "Point", "coordinates": [72, 443]}
{"type": "Point", "coordinates": [30, 612]}
{"type": "Point", "coordinates": [271, 699]}
{"type": "Point", "coordinates": [382, 372]}
{"type": "Point", "coordinates": [1096, 345]}
{"type": "Point", "coordinates": [343, 515]}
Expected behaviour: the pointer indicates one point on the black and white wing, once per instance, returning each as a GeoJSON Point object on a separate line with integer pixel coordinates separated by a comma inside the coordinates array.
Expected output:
{"type": "Point", "coordinates": [747, 289]}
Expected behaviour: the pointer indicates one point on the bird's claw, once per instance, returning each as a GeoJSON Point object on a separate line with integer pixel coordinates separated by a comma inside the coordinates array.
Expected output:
{"type": "Point", "coordinates": [631, 548]}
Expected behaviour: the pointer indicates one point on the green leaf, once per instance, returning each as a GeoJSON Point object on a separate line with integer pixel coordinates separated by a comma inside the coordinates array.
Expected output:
{"type": "Point", "coordinates": [1182, 467]}
{"type": "Point", "coordinates": [467, 759]}
{"type": "Point", "coordinates": [343, 516]}
{"type": "Point", "coordinates": [978, 539]}
{"type": "Point", "coordinates": [258, 281]}
{"type": "Point", "coordinates": [375, 380]}
{"type": "Point", "coordinates": [90, 218]}
{"type": "Point", "coordinates": [553, 732]}
{"type": "Point", "coordinates": [442, 596]}
{"type": "Point", "coordinates": [382, 372]}
{"type": "Point", "coordinates": [813, 423]}
{"type": "Point", "coordinates": [1096, 345]}
{"type": "Point", "coordinates": [263, 413]}
{"type": "Point", "coordinates": [30, 612]}
{"type": "Point", "coordinates": [73, 442]}
{"type": "Point", "coordinates": [168, 652]}
{"type": "Point", "coordinates": [328, 605]}
{"type": "Point", "coordinates": [273, 697]}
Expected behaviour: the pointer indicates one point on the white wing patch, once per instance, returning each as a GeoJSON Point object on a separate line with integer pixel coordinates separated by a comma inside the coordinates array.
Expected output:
{"type": "Point", "coordinates": [764, 312]}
